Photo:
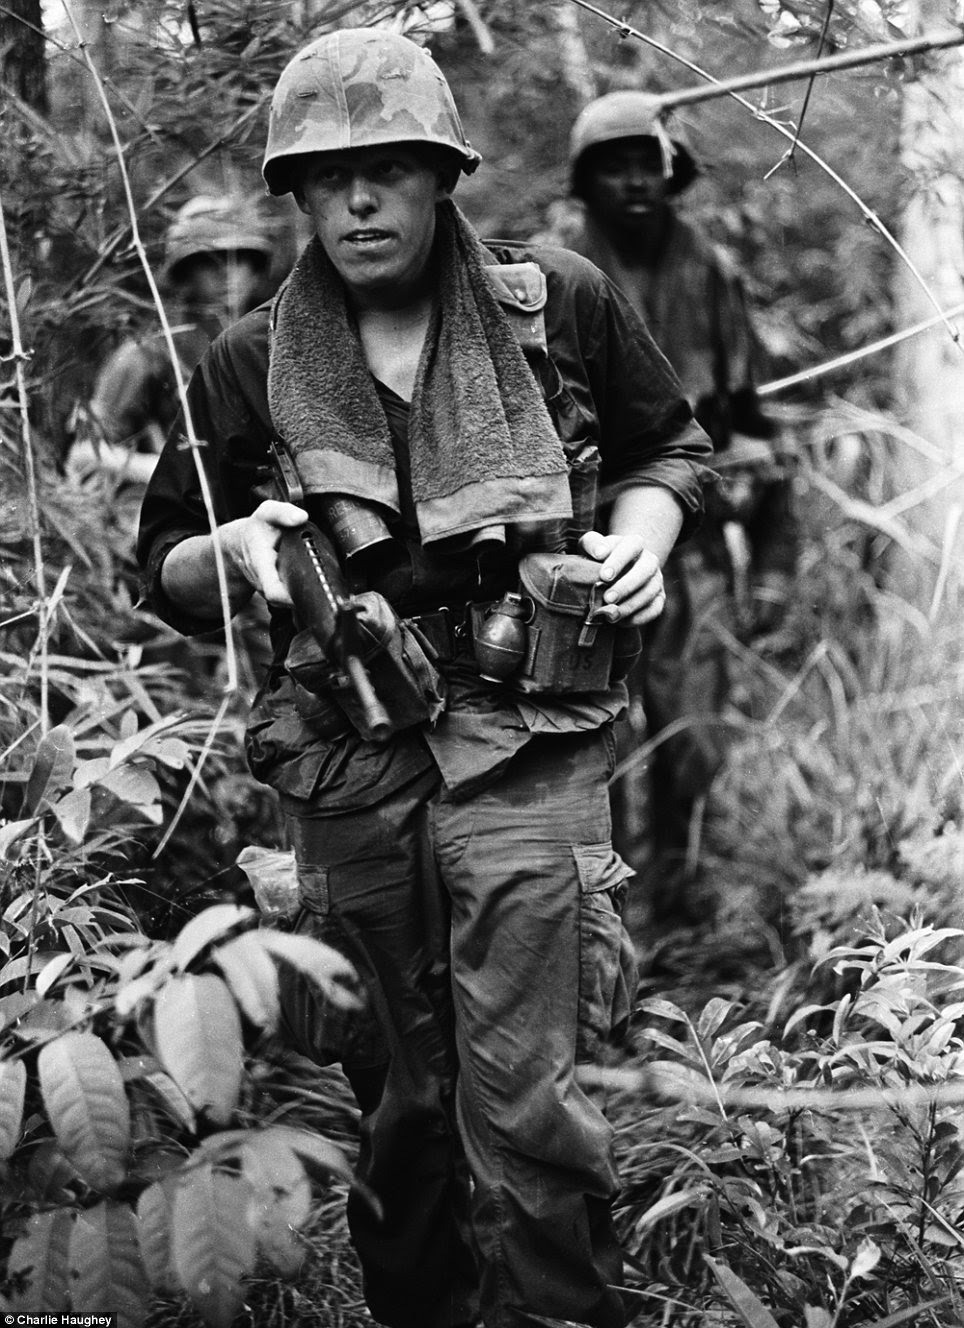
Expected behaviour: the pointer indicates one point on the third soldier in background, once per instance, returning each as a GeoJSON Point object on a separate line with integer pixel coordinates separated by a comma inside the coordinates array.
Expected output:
{"type": "Point", "coordinates": [734, 577]}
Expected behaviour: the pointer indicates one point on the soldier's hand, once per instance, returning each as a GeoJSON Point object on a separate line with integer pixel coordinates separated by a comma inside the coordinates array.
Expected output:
{"type": "Point", "coordinates": [631, 573]}
{"type": "Point", "coordinates": [251, 546]}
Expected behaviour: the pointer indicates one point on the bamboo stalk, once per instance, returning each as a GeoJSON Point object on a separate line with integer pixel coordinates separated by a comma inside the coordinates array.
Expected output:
{"type": "Point", "coordinates": [827, 64]}
{"type": "Point", "coordinates": [20, 357]}
{"type": "Point", "coordinates": [625, 30]}
{"type": "Point", "coordinates": [852, 356]}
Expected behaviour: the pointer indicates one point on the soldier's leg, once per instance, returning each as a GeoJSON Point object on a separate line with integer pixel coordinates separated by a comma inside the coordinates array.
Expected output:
{"type": "Point", "coordinates": [373, 874]}
{"type": "Point", "coordinates": [541, 970]}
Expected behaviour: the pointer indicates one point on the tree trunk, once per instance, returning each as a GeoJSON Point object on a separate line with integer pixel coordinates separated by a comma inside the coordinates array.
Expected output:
{"type": "Point", "coordinates": [23, 68]}
{"type": "Point", "coordinates": [929, 368]}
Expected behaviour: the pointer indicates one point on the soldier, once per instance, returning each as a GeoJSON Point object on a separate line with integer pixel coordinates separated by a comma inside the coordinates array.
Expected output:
{"type": "Point", "coordinates": [456, 400]}
{"type": "Point", "coordinates": [627, 170]}
{"type": "Point", "coordinates": [215, 259]}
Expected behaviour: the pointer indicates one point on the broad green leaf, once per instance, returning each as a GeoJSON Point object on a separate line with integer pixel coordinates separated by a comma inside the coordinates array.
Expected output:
{"type": "Point", "coordinates": [106, 1269]}
{"type": "Point", "coordinates": [712, 1017]}
{"type": "Point", "coordinates": [281, 1198]}
{"type": "Point", "coordinates": [682, 1081]}
{"type": "Point", "coordinates": [685, 1053]}
{"type": "Point", "coordinates": [13, 1088]}
{"type": "Point", "coordinates": [52, 768]}
{"type": "Point", "coordinates": [85, 1100]}
{"type": "Point", "coordinates": [154, 1209]}
{"type": "Point", "coordinates": [669, 1204]}
{"type": "Point", "coordinates": [212, 1241]}
{"type": "Point", "coordinates": [747, 1305]}
{"type": "Point", "coordinates": [138, 788]}
{"type": "Point", "coordinates": [11, 831]}
{"type": "Point", "coordinates": [15, 1007]}
{"type": "Point", "coordinates": [815, 1316]}
{"type": "Point", "coordinates": [316, 960]}
{"type": "Point", "coordinates": [325, 1155]}
{"type": "Point", "coordinates": [90, 772]}
{"type": "Point", "coordinates": [205, 928]}
{"type": "Point", "coordinates": [663, 1009]}
{"type": "Point", "coordinates": [253, 979]}
{"type": "Point", "coordinates": [173, 752]}
{"type": "Point", "coordinates": [273, 877]}
{"type": "Point", "coordinates": [41, 1255]}
{"type": "Point", "coordinates": [802, 1014]}
{"type": "Point", "coordinates": [144, 1069]}
{"type": "Point", "coordinates": [51, 971]}
{"type": "Point", "coordinates": [197, 1030]}
{"type": "Point", "coordinates": [73, 813]}
{"type": "Point", "coordinates": [866, 1259]}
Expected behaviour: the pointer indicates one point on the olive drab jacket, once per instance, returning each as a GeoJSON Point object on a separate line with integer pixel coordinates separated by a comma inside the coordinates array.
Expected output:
{"type": "Point", "coordinates": [603, 382]}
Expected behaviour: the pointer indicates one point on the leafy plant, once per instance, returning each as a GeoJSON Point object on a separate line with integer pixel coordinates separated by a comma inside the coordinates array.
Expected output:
{"type": "Point", "coordinates": [812, 1166]}
{"type": "Point", "coordinates": [129, 1121]}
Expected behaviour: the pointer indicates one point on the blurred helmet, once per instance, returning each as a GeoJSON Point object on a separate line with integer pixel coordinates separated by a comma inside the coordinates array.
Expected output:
{"type": "Point", "coordinates": [214, 225]}
{"type": "Point", "coordinates": [627, 114]}
{"type": "Point", "coordinates": [360, 87]}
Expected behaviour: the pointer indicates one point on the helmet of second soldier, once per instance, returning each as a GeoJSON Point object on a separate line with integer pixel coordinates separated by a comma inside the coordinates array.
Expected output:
{"type": "Point", "coordinates": [355, 88]}
{"type": "Point", "coordinates": [627, 114]}
{"type": "Point", "coordinates": [207, 225]}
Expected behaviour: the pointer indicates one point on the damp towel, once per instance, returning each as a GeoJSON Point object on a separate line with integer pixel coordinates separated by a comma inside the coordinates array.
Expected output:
{"type": "Point", "coordinates": [483, 448]}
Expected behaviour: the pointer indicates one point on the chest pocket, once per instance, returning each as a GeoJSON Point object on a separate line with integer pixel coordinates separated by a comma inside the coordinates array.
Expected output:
{"type": "Point", "coordinates": [521, 290]}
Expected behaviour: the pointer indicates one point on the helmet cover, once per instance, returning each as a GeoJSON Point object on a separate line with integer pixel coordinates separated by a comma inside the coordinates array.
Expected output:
{"type": "Point", "coordinates": [360, 87]}
{"type": "Point", "coordinates": [628, 114]}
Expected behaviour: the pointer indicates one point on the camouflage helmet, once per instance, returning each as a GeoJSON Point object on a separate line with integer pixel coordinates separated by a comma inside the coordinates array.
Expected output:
{"type": "Point", "coordinates": [360, 87]}
{"type": "Point", "coordinates": [206, 225]}
{"type": "Point", "coordinates": [627, 114]}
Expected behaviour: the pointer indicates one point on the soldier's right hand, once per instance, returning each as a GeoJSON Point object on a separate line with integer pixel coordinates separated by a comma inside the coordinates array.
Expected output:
{"type": "Point", "coordinates": [251, 546]}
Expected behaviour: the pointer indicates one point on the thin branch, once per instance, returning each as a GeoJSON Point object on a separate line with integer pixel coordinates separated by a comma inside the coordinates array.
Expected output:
{"type": "Point", "coordinates": [479, 31]}
{"type": "Point", "coordinates": [666, 1084]}
{"type": "Point", "coordinates": [788, 155]}
{"type": "Point", "coordinates": [827, 64]}
{"type": "Point", "coordinates": [721, 88]}
{"type": "Point", "coordinates": [852, 356]}
{"type": "Point", "coordinates": [20, 357]}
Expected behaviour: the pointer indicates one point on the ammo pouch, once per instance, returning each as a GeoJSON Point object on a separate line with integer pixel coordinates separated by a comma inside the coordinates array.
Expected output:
{"type": "Point", "coordinates": [399, 661]}
{"type": "Point", "coordinates": [567, 651]}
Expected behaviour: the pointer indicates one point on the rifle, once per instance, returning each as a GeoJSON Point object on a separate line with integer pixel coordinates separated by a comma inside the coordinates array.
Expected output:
{"type": "Point", "coordinates": [311, 573]}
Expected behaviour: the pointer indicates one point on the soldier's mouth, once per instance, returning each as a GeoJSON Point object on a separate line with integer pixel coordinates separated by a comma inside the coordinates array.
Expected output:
{"type": "Point", "coordinates": [367, 237]}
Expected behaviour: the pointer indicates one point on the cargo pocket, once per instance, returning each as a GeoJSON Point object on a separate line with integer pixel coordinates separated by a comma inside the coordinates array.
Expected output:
{"type": "Point", "coordinates": [607, 962]}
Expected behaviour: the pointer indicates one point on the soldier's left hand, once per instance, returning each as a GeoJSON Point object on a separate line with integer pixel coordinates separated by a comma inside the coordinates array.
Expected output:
{"type": "Point", "coordinates": [631, 573]}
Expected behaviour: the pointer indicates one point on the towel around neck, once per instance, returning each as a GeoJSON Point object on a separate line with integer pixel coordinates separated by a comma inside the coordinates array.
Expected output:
{"type": "Point", "coordinates": [483, 448]}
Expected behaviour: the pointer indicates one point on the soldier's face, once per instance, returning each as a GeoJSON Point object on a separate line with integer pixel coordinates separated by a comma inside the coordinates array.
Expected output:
{"type": "Point", "coordinates": [626, 184]}
{"type": "Point", "coordinates": [373, 210]}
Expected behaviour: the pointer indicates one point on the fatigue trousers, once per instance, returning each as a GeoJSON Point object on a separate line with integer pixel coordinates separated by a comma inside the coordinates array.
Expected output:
{"type": "Point", "coordinates": [488, 933]}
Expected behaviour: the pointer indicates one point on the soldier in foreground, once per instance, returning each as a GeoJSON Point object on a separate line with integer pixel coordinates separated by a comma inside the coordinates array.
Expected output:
{"type": "Point", "coordinates": [734, 578]}
{"type": "Point", "coordinates": [443, 410]}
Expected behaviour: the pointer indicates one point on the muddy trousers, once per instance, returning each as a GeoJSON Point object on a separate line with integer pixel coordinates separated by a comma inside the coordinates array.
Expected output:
{"type": "Point", "coordinates": [488, 933]}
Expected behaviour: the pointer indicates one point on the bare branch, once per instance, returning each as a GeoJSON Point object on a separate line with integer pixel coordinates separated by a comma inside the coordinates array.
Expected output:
{"type": "Point", "coordinates": [852, 356]}
{"type": "Point", "coordinates": [827, 64]}
{"type": "Point", "coordinates": [20, 357]}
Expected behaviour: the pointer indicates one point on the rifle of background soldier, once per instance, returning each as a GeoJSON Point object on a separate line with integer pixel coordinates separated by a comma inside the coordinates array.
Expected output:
{"type": "Point", "coordinates": [311, 573]}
